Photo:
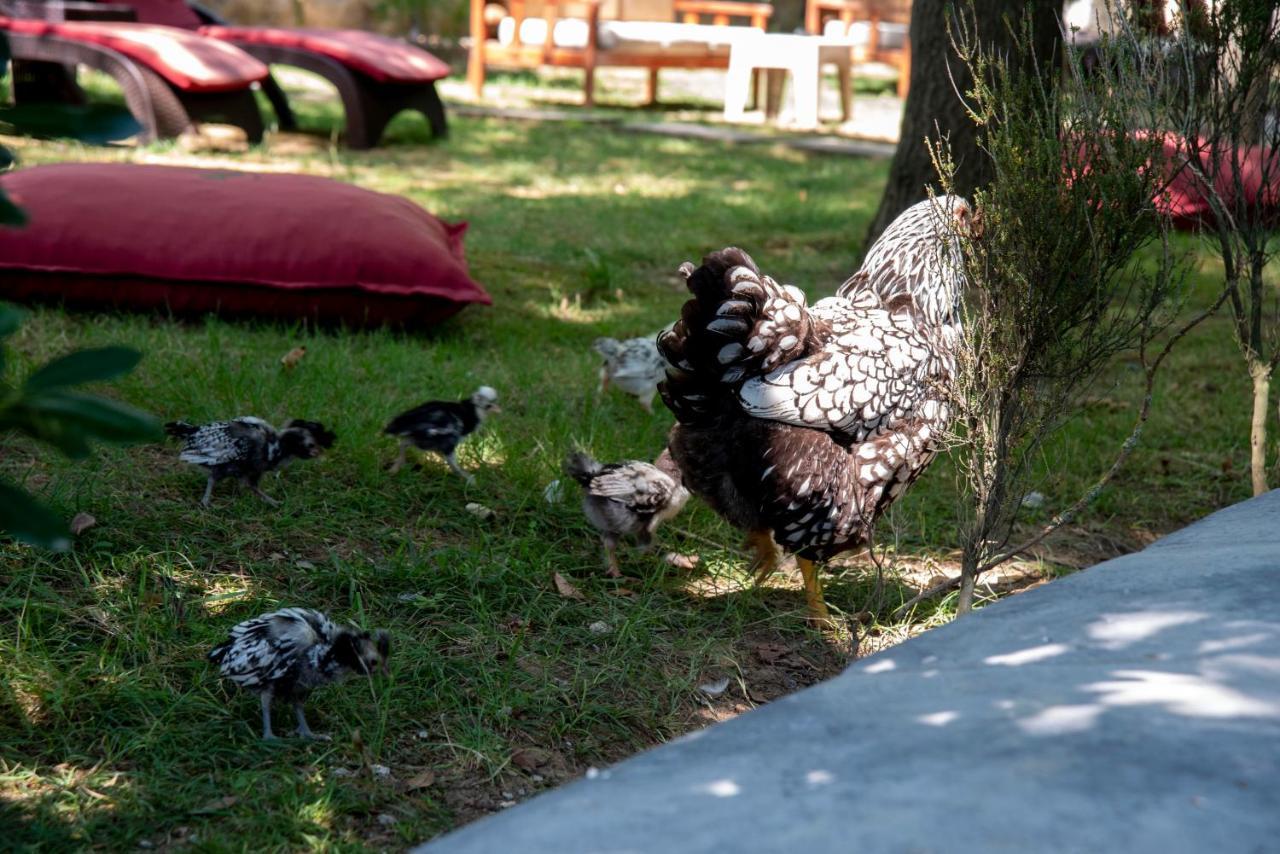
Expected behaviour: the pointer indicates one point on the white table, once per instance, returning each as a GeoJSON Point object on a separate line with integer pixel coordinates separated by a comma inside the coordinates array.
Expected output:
{"type": "Point", "coordinates": [776, 54]}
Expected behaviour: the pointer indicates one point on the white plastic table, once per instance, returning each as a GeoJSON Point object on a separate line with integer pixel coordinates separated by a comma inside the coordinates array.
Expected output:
{"type": "Point", "coordinates": [776, 54]}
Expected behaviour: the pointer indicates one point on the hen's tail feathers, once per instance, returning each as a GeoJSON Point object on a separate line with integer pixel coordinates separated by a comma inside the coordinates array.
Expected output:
{"type": "Point", "coordinates": [739, 324]}
{"type": "Point", "coordinates": [180, 429]}
{"type": "Point", "coordinates": [581, 467]}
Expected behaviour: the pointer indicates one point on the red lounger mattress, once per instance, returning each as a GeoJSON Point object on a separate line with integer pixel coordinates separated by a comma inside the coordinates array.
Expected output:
{"type": "Point", "coordinates": [239, 243]}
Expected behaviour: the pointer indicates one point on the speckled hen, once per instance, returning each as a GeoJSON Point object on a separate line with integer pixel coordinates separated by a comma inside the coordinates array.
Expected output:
{"type": "Point", "coordinates": [801, 424]}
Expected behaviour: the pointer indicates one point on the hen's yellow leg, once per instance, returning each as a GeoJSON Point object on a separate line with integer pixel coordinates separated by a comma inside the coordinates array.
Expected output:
{"type": "Point", "coordinates": [818, 614]}
{"type": "Point", "coordinates": [766, 560]}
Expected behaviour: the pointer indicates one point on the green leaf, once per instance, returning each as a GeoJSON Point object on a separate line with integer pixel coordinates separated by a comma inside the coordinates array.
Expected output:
{"type": "Point", "coordinates": [23, 518]}
{"type": "Point", "coordinates": [11, 318]}
{"type": "Point", "coordinates": [84, 366]}
{"type": "Point", "coordinates": [93, 416]}
{"type": "Point", "coordinates": [10, 214]}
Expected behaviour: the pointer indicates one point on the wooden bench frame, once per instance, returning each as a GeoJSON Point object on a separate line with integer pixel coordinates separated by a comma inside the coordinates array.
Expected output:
{"type": "Point", "coordinates": [485, 51]}
{"type": "Point", "coordinates": [817, 12]}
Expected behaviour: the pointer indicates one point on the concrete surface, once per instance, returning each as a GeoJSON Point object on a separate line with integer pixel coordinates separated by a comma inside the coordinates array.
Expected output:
{"type": "Point", "coordinates": [1131, 707]}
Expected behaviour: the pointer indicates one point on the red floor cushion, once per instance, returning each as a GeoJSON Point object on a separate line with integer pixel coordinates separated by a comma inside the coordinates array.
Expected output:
{"type": "Point", "coordinates": [200, 240]}
{"type": "Point", "coordinates": [1187, 197]}
{"type": "Point", "coordinates": [186, 59]}
{"type": "Point", "coordinates": [386, 60]}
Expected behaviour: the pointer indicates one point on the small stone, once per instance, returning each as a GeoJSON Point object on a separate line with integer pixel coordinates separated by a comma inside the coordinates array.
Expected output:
{"type": "Point", "coordinates": [507, 804]}
{"type": "Point", "coordinates": [409, 597]}
{"type": "Point", "coordinates": [599, 627]}
{"type": "Point", "coordinates": [714, 689]}
{"type": "Point", "coordinates": [1033, 500]}
{"type": "Point", "coordinates": [387, 819]}
{"type": "Point", "coordinates": [593, 772]}
{"type": "Point", "coordinates": [380, 770]}
{"type": "Point", "coordinates": [537, 778]}
{"type": "Point", "coordinates": [507, 796]}
{"type": "Point", "coordinates": [485, 514]}
{"type": "Point", "coordinates": [340, 772]}
{"type": "Point", "coordinates": [304, 564]}
{"type": "Point", "coordinates": [422, 733]}
{"type": "Point", "coordinates": [146, 843]}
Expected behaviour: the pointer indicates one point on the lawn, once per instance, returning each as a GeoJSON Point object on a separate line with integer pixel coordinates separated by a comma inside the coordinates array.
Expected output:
{"type": "Point", "coordinates": [116, 733]}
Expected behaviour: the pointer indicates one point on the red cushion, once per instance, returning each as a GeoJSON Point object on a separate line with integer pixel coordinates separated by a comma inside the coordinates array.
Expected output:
{"type": "Point", "coordinates": [1186, 199]}
{"type": "Point", "coordinates": [382, 58]}
{"type": "Point", "coordinates": [187, 60]}
{"type": "Point", "coordinates": [238, 242]}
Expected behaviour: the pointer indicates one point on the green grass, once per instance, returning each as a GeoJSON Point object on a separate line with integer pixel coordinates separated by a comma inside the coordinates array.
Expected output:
{"type": "Point", "coordinates": [113, 728]}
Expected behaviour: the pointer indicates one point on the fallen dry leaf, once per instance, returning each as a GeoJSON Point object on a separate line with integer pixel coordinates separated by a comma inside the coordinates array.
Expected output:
{"type": "Point", "coordinates": [291, 359]}
{"type": "Point", "coordinates": [217, 804]}
{"type": "Point", "coordinates": [679, 561]}
{"type": "Point", "coordinates": [424, 778]}
{"type": "Point", "coordinates": [530, 758]}
{"type": "Point", "coordinates": [626, 593]}
{"type": "Point", "coordinates": [82, 522]}
{"type": "Point", "coordinates": [565, 589]}
{"type": "Point", "coordinates": [481, 512]}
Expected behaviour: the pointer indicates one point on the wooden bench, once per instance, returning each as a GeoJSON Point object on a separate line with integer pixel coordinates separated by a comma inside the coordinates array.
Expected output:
{"type": "Point", "coordinates": [878, 27]}
{"type": "Point", "coordinates": [591, 34]}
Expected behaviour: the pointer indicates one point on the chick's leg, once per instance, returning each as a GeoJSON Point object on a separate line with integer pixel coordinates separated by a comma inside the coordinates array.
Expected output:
{"type": "Point", "coordinates": [766, 559]}
{"type": "Point", "coordinates": [267, 734]}
{"type": "Point", "coordinates": [208, 491]}
{"type": "Point", "coordinates": [399, 463]}
{"type": "Point", "coordinates": [303, 729]}
{"type": "Point", "coordinates": [257, 490]}
{"type": "Point", "coordinates": [611, 557]}
{"type": "Point", "coordinates": [818, 614]}
{"type": "Point", "coordinates": [647, 401]}
{"type": "Point", "coordinates": [452, 459]}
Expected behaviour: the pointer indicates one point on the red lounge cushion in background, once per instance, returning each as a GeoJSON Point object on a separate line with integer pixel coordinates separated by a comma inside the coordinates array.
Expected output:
{"type": "Point", "coordinates": [188, 60]}
{"type": "Point", "coordinates": [1186, 199]}
{"type": "Point", "coordinates": [386, 60]}
{"type": "Point", "coordinates": [197, 240]}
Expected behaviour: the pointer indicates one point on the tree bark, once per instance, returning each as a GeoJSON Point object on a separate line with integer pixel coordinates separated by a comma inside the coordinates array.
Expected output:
{"type": "Point", "coordinates": [1261, 374]}
{"type": "Point", "coordinates": [934, 108]}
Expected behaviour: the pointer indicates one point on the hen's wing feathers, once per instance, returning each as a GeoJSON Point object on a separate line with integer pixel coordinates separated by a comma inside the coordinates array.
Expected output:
{"type": "Point", "coordinates": [877, 368]}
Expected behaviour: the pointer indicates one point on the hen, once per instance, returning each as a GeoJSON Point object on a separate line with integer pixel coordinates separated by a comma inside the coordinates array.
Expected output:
{"type": "Point", "coordinates": [441, 425]}
{"type": "Point", "coordinates": [634, 365]}
{"type": "Point", "coordinates": [247, 448]}
{"type": "Point", "coordinates": [290, 652]}
{"type": "Point", "coordinates": [627, 499]}
{"type": "Point", "coordinates": [801, 424]}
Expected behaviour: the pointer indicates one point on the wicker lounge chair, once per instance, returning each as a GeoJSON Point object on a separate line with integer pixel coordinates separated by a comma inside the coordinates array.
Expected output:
{"type": "Point", "coordinates": [377, 77]}
{"type": "Point", "coordinates": [171, 79]}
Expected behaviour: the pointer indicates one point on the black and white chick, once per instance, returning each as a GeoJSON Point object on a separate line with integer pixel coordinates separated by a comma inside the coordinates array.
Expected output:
{"type": "Point", "coordinates": [627, 499]}
{"type": "Point", "coordinates": [246, 448]}
{"type": "Point", "coordinates": [288, 653]}
{"type": "Point", "coordinates": [441, 425]}
{"type": "Point", "coordinates": [634, 365]}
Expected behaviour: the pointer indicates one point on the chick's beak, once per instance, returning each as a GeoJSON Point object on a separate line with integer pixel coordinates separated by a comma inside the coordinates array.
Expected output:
{"type": "Point", "coordinates": [495, 408]}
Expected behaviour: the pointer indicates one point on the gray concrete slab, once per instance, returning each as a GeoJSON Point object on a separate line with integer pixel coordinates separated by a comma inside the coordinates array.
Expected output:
{"type": "Point", "coordinates": [1131, 707]}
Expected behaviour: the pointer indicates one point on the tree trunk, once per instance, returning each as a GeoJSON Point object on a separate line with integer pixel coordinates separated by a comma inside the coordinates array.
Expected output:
{"type": "Point", "coordinates": [933, 107]}
{"type": "Point", "coordinates": [1261, 373]}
